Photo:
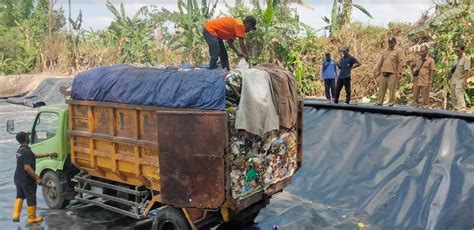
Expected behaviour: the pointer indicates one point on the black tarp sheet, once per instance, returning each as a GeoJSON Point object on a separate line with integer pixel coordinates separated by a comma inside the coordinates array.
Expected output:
{"type": "Point", "coordinates": [379, 168]}
{"type": "Point", "coordinates": [47, 93]}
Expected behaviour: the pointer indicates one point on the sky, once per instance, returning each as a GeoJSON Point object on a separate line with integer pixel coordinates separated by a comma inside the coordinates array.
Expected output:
{"type": "Point", "coordinates": [96, 15]}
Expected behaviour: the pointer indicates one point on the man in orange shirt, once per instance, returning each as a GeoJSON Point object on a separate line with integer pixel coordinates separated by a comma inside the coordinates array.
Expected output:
{"type": "Point", "coordinates": [217, 30]}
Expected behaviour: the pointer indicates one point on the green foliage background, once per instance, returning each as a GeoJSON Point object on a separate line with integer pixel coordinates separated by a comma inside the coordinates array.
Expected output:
{"type": "Point", "coordinates": [34, 38]}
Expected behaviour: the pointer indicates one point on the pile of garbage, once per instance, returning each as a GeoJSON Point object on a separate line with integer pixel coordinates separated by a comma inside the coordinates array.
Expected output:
{"type": "Point", "coordinates": [258, 161]}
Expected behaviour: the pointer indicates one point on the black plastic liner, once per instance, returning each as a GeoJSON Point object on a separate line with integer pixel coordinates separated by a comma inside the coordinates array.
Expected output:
{"type": "Point", "coordinates": [379, 168]}
{"type": "Point", "coordinates": [47, 93]}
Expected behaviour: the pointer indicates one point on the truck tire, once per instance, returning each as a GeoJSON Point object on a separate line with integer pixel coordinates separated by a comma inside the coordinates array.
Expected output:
{"type": "Point", "coordinates": [170, 218]}
{"type": "Point", "coordinates": [53, 191]}
{"type": "Point", "coordinates": [239, 224]}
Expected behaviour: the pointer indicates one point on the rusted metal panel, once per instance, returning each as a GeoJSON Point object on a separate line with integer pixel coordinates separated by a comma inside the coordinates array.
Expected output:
{"type": "Point", "coordinates": [147, 129]}
{"type": "Point", "coordinates": [79, 119]}
{"type": "Point", "coordinates": [102, 118]}
{"type": "Point", "coordinates": [277, 187]}
{"type": "Point", "coordinates": [187, 132]}
{"type": "Point", "coordinates": [299, 134]}
{"type": "Point", "coordinates": [126, 123]}
{"type": "Point", "coordinates": [192, 181]}
{"type": "Point", "coordinates": [238, 205]}
{"type": "Point", "coordinates": [192, 158]}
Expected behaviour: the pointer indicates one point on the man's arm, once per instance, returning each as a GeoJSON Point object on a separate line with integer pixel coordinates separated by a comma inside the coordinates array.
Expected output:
{"type": "Point", "coordinates": [356, 64]}
{"type": "Point", "coordinates": [432, 70]}
{"type": "Point", "coordinates": [243, 48]}
{"type": "Point", "coordinates": [465, 68]}
{"type": "Point", "coordinates": [322, 71]}
{"type": "Point", "coordinates": [232, 46]}
{"type": "Point", "coordinates": [401, 61]}
{"type": "Point", "coordinates": [378, 66]}
{"type": "Point", "coordinates": [466, 76]}
{"type": "Point", "coordinates": [32, 173]}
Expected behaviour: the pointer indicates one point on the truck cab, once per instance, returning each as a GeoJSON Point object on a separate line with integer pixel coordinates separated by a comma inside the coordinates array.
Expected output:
{"type": "Point", "coordinates": [49, 134]}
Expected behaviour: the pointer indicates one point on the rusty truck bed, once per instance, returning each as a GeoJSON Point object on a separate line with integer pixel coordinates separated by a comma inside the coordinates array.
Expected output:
{"type": "Point", "coordinates": [177, 153]}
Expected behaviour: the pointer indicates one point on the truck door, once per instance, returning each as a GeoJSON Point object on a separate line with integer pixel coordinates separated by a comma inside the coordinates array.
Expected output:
{"type": "Point", "coordinates": [44, 135]}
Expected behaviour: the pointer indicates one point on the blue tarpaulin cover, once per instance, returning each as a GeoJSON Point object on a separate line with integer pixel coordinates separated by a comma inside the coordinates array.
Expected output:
{"type": "Point", "coordinates": [194, 88]}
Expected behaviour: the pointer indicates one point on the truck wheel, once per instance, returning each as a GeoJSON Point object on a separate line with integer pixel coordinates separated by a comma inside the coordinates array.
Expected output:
{"type": "Point", "coordinates": [53, 191]}
{"type": "Point", "coordinates": [170, 218]}
{"type": "Point", "coordinates": [239, 224]}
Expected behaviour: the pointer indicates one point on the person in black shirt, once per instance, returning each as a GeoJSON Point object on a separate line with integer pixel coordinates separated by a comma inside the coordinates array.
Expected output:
{"type": "Point", "coordinates": [345, 64]}
{"type": "Point", "coordinates": [26, 179]}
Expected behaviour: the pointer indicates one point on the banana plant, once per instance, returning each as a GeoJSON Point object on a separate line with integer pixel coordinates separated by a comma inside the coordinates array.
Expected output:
{"type": "Point", "coordinates": [134, 36]}
{"type": "Point", "coordinates": [341, 17]}
{"type": "Point", "coordinates": [189, 21]}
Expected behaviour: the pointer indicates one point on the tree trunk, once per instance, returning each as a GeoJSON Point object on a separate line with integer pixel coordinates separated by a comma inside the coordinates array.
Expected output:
{"type": "Point", "coordinates": [346, 12]}
{"type": "Point", "coordinates": [69, 18]}
{"type": "Point", "coordinates": [50, 19]}
{"type": "Point", "coordinates": [334, 20]}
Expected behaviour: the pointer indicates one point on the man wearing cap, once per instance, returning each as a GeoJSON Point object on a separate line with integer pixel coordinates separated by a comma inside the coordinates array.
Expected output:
{"type": "Point", "coordinates": [459, 78]}
{"type": "Point", "coordinates": [423, 70]}
{"type": "Point", "coordinates": [389, 70]}
{"type": "Point", "coordinates": [221, 29]}
{"type": "Point", "coordinates": [329, 74]}
{"type": "Point", "coordinates": [26, 179]}
{"type": "Point", "coordinates": [345, 64]}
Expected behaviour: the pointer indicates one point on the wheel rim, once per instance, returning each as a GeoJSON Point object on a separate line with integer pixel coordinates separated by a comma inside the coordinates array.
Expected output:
{"type": "Point", "coordinates": [52, 190]}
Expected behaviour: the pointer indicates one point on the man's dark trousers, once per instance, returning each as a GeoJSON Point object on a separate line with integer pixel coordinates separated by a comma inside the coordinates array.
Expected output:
{"type": "Point", "coordinates": [346, 82]}
{"type": "Point", "coordinates": [26, 191]}
{"type": "Point", "coordinates": [330, 88]}
{"type": "Point", "coordinates": [216, 50]}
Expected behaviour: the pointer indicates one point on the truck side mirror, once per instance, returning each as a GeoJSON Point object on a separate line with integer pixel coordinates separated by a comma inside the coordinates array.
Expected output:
{"type": "Point", "coordinates": [10, 126]}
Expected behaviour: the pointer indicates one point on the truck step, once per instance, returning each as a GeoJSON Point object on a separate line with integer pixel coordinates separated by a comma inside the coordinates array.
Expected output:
{"type": "Point", "coordinates": [100, 184]}
{"type": "Point", "coordinates": [108, 197]}
{"type": "Point", "coordinates": [111, 208]}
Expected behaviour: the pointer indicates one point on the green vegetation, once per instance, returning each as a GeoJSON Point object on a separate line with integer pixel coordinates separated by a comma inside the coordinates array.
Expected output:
{"type": "Point", "coordinates": [449, 26]}
{"type": "Point", "coordinates": [27, 29]}
{"type": "Point", "coordinates": [34, 38]}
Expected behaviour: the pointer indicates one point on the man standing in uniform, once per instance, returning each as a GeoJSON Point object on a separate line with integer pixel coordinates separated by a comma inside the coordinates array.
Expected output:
{"type": "Point", "coordinates": [329, 74]}
{"type": "Point", "coordinates": [423, 70]}
{"type": "Point", "coordinates": [26, 179]}
{"type": "Point", "coordinates": [459, 79]}
{"type": "Point", "coordinates": [346, 64]}
{"type": "Point", "coordinates": [390, 66]}
{"type": "Point", "coordinates": [228, 29]}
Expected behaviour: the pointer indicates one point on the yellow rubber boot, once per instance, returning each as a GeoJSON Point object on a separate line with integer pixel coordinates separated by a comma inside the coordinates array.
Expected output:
{"type": "Point", "coordinates": [32, 218]}
{"type": "Point", "coordinates": [17, 210]}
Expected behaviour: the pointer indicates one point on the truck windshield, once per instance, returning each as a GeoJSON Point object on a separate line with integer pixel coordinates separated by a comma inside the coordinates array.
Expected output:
{"type": "Point", "coordinates": [45, 127]}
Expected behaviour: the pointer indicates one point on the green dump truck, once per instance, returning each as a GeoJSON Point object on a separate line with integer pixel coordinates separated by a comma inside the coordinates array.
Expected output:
{"type": "Point", "coordinates": [174, 163]}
